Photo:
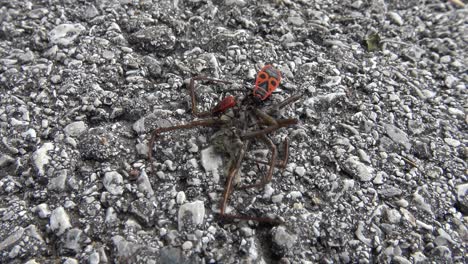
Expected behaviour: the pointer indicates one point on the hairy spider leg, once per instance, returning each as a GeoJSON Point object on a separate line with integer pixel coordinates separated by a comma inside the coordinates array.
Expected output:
{"type": "Point", "coordinates": [229, 188]}
{"type": "Point", "coordinates": [212, 122]}
{"type": "Point", "coordinates": [279, 163]}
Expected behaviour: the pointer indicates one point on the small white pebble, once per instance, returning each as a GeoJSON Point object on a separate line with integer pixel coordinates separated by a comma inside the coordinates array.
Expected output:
{"type": "Point", "coordinates": [277, 198]}
{"type": "Point", "coordinates": [180, 198]}
{"type": "Point", "coordinates": [300, 171]}
{"type": "Point", "coordinates": [187, 245]}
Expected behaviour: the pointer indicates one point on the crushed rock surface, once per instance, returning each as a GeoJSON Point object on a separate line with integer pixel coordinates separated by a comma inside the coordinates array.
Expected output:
{"type": "Point", "coordinates": [377, 162]}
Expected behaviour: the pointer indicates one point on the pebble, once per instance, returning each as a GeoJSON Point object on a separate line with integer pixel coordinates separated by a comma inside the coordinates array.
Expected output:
{"type": "Point", "coordinates": [180, 197]}
{"type": "Point", "coordinates": [235, 2]}
{"type": "Point", "coordinates": [144, 184]}
{"type": "Point", "coordinates": [358, 169]}
{"type": "Point", "coordinates": [65, 34]}
{"type": "Point", "coordinates": [12, 239]}
{"type": "Point", "coordinates": [58, 182]}
{"type": "Point", "coordinates": [361, 236]}
{"type": "Point", "coordinates": [401, 260]}
{"type": "Point", "coordinates": [75, 129]}
{"type": "Point", "coordinates": [94, 258]}
{"type": "Point", "coordinates": [157, 38]}
{"type": "Point", "coordinates": [211, 162]}
{"type": "Point", "coordinates": [283, 241]}
{"type": "Point", "coordinates": [196, 212]}
{"type": "Point", "coordinates": [5, 160]}
{"type": "Point", "coordinates": [389, 191]}
{"type": "Point", "coordinates": [300, 171]}
{"type": "Point", "coordinates": [462, 197]}
{"type": "Point", "coordinates": [42, 210]}
{"type": "Point", "coordinates": [452, 142]}
{"type": "Point", "coordinates": [171, 255]}
{"type": "Point", "coordinates": [187, 245]}
{"type": "Point", "coordinates": [294, 195]}
{"type": "Point", "coordinates": [397, 135]}
{"type": "Point", "coordinates": [40, 157]}
{"type": "Point", "coordinates": [73, 240]}
{"type": "Point", "coordinates": [268, 191]}
{"type": "Point", "coordinates": [277, 198]}
{"type": "Point", "coordinates": [70, 261]}
{"type": "Point", "coordinates": [59, 221]}
{"type": "Point", "coordinates": [396, 18]}
{"type": "Point", "coordinates": [393, 216]}
{"type": "Point", "coordinates": [113, 182]}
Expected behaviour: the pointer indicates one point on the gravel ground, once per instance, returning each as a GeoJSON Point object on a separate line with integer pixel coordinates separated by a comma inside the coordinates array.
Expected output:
{"type": "Point", "coordinates": [377, 168]}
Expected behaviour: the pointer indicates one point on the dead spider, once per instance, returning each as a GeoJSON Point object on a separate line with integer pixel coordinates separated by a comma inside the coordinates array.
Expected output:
{"type": "Point", "coordinates": [244, 123]}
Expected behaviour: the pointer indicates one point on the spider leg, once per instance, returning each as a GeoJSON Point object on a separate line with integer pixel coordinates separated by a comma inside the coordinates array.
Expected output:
{"type": "Point", "coordinates": [269, 175]}
{"type": "Point", "coordinates": [233, 170]}
{"type": "Point", "coordinates": [284, 103]}
{"type": "Point", "coordinates": [203, 123]}
{"type": "Point", "coordinates": [195, 111]}
{"type": "Point", "coordinates": [229, 187]}
{"type": "Point", "coordinates": [278, 163]}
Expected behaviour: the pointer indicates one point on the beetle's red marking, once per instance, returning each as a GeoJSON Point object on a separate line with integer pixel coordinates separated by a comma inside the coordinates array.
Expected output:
{"type": "Point", "coordinates": [268, 79]}
{"type": "Point", "coordinates": [225, 104]}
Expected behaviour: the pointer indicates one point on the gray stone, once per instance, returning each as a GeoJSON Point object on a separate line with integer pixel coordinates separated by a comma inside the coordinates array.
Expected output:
{"type": "Point", "coordinates": [73, 240]}
{"type": "Point", "coordinates": [442, 254]}
{"type": "Point", "coordinates": [397, 135]}
{"type": "Point", "coordinates": [91, 12]}
{"type": "Point", "coordinates": [361, 236]}
{"type": "Point", "coordinates": [70, 261]}
{"type": "Point", "coordinates": [400, 260]}
{"type": "Point", "coordinates": [235, 2]}
{"type": "Point", "coordinates": [12, 239]}
{"type": "Point", "coordinates": [65, 34]}
{"type": "Point", "coordinates": [144, 184]}
{"type": "Point", "coordinates": [144, 211]}
{"type": "Point", "coordinates": [5, 160]}
{"type": "Point", "coordinates": [419, 257]}
{"type": "Point", "coordinates": [393, 216]}
{"type": "Point", "coordinates": [283, 241]}
{"type": "Point", "coordinates": [187, 245]}
{"type": "Point", "coordinates": [58, 182]}
{"type": "Point", "coordinates": [170, 255]}
{"type": "Point", "coordinates": [211, 162]}
{"type": "Point", "coordinates": [154, 38]}
{"type": "Point", "coordinates": [300, 171]}
{"type": "Point", "coordinates": [139, 126]}
{"type": "Point", "coordinates": [191, 214]}
{"type": "Point", "coordinates": [94, 258]}
{"type": "Point", "coordinates": [450, 81]}
{"type": "Point", "coordinates": [125, 249]}
{"type": "Point", "coordinates": [180, 197]}
{"type": "Point", "coordinates": [41, 158]}
{"type": "Point", "coordinates": [113, 182]}
{"type": "Point", "coordinates": [462, 197]}
{"type": "Point", "coordinates": [59, 221]}
{"type": "Point", "coordinates": [75, 129]}
{"type": "Point", "coordinates": [389, 191]}
{"type": "Point", "coordinates": [452, 142]}
{"type": "Point", "coordinates": [42, 210]}
{"type": "Point", "coordinates": [396, 18]}
{"type": "Point", "coordinates": [358, 169]}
